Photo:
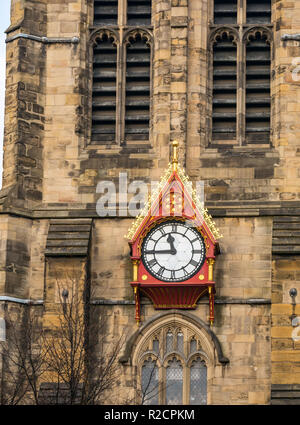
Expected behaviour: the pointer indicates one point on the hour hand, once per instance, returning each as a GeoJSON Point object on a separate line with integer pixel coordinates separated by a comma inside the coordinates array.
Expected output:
{"type": "Point", "coordinates": [171, 241]}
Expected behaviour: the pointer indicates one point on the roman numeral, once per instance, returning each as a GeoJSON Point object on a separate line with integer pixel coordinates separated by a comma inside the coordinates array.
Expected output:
{"type": "Point", "coordinates": [194, 263]}
{"type": "Point", "coordinates": [197, 251]}
{"type": "Point", "coordinates": [161, 271]}
{"type": "Point", "coordinates": [174, 228]}
{"type": "Point", "coordinates": [152, 262]}
{"type": "Point", "coordinates": [185, 272]}
{"type": "Point", "coordinates": [162, 230]}
{"type": "Point", "coordinates": [194, 240]}
{"type": "Point", "coordinates": [173, 274]}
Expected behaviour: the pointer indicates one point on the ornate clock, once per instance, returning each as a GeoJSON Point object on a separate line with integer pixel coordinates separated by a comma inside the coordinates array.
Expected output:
{"type": "Point", "coordinates": [173, 249]}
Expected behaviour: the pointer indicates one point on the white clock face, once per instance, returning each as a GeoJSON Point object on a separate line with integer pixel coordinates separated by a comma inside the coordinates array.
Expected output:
{"type": "Point", "coordinates": [173, 251]}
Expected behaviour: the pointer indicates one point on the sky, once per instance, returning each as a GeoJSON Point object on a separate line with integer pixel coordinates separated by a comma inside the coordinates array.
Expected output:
{"type": "Point", "coordinates": [4, 24]}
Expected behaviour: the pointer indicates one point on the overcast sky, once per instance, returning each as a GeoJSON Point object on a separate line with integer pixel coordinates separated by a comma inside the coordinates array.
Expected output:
{"type": "Point", "coordinates": [4, 24]}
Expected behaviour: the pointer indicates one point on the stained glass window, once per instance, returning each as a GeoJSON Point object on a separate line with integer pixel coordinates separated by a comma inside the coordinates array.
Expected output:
{"type": "Point", "coordinates": [198, 380]}
{"type": "Point", "coordinates": [173, 372]}
{"type": "Point", "coordinates": [169, 342]}
{"type": "Point", "coordinates": [150, 388]}
{"type": "Point", "coordinates": [180, 342]}
{"type": "Point", "coordinates": [156, 346]}
{"type": "Point", "coordinates": [193, 346]}
{"type": "Point", "coordinates": [174, 382]}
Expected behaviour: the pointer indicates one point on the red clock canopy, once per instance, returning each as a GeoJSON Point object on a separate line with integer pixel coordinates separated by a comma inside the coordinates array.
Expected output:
{"type": "Point", "coordinates": [176, 201]}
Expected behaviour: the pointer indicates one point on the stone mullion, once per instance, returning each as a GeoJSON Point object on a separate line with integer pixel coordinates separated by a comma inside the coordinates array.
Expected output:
{"type": "Point", "coordinates": [186, 384]}
{"type": "Point", "coordinates": [240, 107]}
{"type": "Point", "coordinates": [178, 71]}
{"type": "Point", "coordinates": [122, 87]}
{"type": "Point", "coordinates": [119, 85]}
{"type": "Point", "coordinates": [241, 12]}
{"type": "Point", "coordinates": [121, 76]}
{"type": "Point", "coordinates": [241, 80]}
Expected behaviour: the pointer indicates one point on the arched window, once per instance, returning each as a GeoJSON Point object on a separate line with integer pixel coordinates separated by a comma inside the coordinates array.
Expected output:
{"type": "Point", "coordinates": [169, 342]}
{"type": "Point", "coordinates": [104, 89]}
{"type": "Point", "coordinates": [139, 12]}
{"type": "Point", "coordinates": [174, 382]}
{"type": "Point", "coordinates": [225, 11]}
{"type": "Point", "coordinates": [224, 86]}
{"type": "Point", "coordinates": [180, 347]}
{"type": "Point", "coordinates": [193, 345]}
{"type": "Point", "coordinates": [150, 383]}
{"type": "Point", "coordinates": [137, 89]}
{"type": "Point", "coordinates": [173, 367]}
{"type": "Point", "coordinates": [122, 45]}
{"type": "Point", "coordinates": [258, 100]}
{"type": "Point", "coordinates": [198, 382]}
{"type": "Point", "coordinates": [241, 46]}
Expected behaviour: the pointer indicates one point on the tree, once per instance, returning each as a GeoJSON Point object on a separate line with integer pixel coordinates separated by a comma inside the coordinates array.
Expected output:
{"type": "Point", "coordinates": [67, 362]}
{"type": "Point", "coordinates": [22, 358]}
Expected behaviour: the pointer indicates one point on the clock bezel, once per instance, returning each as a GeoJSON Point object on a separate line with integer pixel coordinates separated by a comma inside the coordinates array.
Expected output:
{"type": "Point", "coordinates": [170, 280]}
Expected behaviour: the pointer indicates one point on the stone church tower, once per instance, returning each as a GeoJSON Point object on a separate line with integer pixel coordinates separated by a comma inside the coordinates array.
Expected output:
{"type": "Point", "coordinates": [95, 88]}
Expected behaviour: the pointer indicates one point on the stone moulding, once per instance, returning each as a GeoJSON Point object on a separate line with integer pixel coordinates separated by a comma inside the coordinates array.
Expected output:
{"type": "Point", "coordinates": [125, 358]}
{"type": "Point", "coordinates": [20, 300]}
{"type": "Point", "coordinates": [44, 40]}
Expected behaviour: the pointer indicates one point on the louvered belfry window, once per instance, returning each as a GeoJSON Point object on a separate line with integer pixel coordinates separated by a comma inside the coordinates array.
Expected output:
{"type": "Point", "coordinates": [105, 12]}
{"type": "Point", "coordinates": [224, 87]}
{"type": "Point", "coordinates": [241, 53]}
{"type": "Point", "coordinates": [137, 102]}
{"type": "Point", "coordinates": [122, 51]}
{"type": "Point", "coordinates": [104, 89]}
{"type": "Point", "coordinates": [138, 12]}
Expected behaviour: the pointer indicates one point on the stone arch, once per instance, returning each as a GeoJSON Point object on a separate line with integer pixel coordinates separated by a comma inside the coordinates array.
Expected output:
{"type": "Point", "coordinates": [209, 341]}
{"type": "Point", "coordinates": [132, 35]}
{"type": "Point", "coordinates": [99, 34]}
{"type": "Point", "coordinates": [218, 34]}
{"type": "Point", "coordinates": [251, 34]}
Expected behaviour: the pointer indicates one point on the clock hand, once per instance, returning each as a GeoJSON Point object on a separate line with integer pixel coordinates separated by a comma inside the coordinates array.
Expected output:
{"type": "Point", "coordinates": [171, 241]}
{"type": "Point", "coordinates": [165, 251]}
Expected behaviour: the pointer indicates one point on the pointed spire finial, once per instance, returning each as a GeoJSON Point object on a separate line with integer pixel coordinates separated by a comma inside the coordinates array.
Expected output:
{"type": "Point", "coordinates": [175, 155]}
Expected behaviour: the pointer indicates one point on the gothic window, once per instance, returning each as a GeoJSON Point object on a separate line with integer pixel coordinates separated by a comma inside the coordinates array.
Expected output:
{"type": "Point", "coordinates": [225, 11]}
{"type": "Point", "coordinates": [104, 89]}
{"type": "Point", "coordinates": [137, 101]}
{"type": "Point", "coordinates": [198, 382]}
{"type": "Point", "coordinates": [180, 347]}
{"type": "Point", "coordinates": [173, 368]}
{"type": "Point", "coordinates": [224, 86]}
{"type": "Point", "coordinates": [193, 345]}
{"type": "Point", "coordinates": [241, 51]}
{"type": "Point", "coordinates": [139, 12]}
{"type": "Point", "coordinates": [106, 12]}
{"type": "Point", "coordinates": [122, 51]}
{"type": "Point", "coordinates": [174, 382]}
{"type": "Point", "coordinates": [150, 382]}
{"type": "Point", "coordinates": [169, 342]}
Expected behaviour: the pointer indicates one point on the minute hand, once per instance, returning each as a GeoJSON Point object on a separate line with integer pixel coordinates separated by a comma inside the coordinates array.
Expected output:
{"type": "Point", "coordinates": [165, 251]}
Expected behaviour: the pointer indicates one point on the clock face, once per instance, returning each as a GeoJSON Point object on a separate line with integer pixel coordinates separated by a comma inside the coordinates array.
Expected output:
{"type": "Point", "coordinates": [173, 251]}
